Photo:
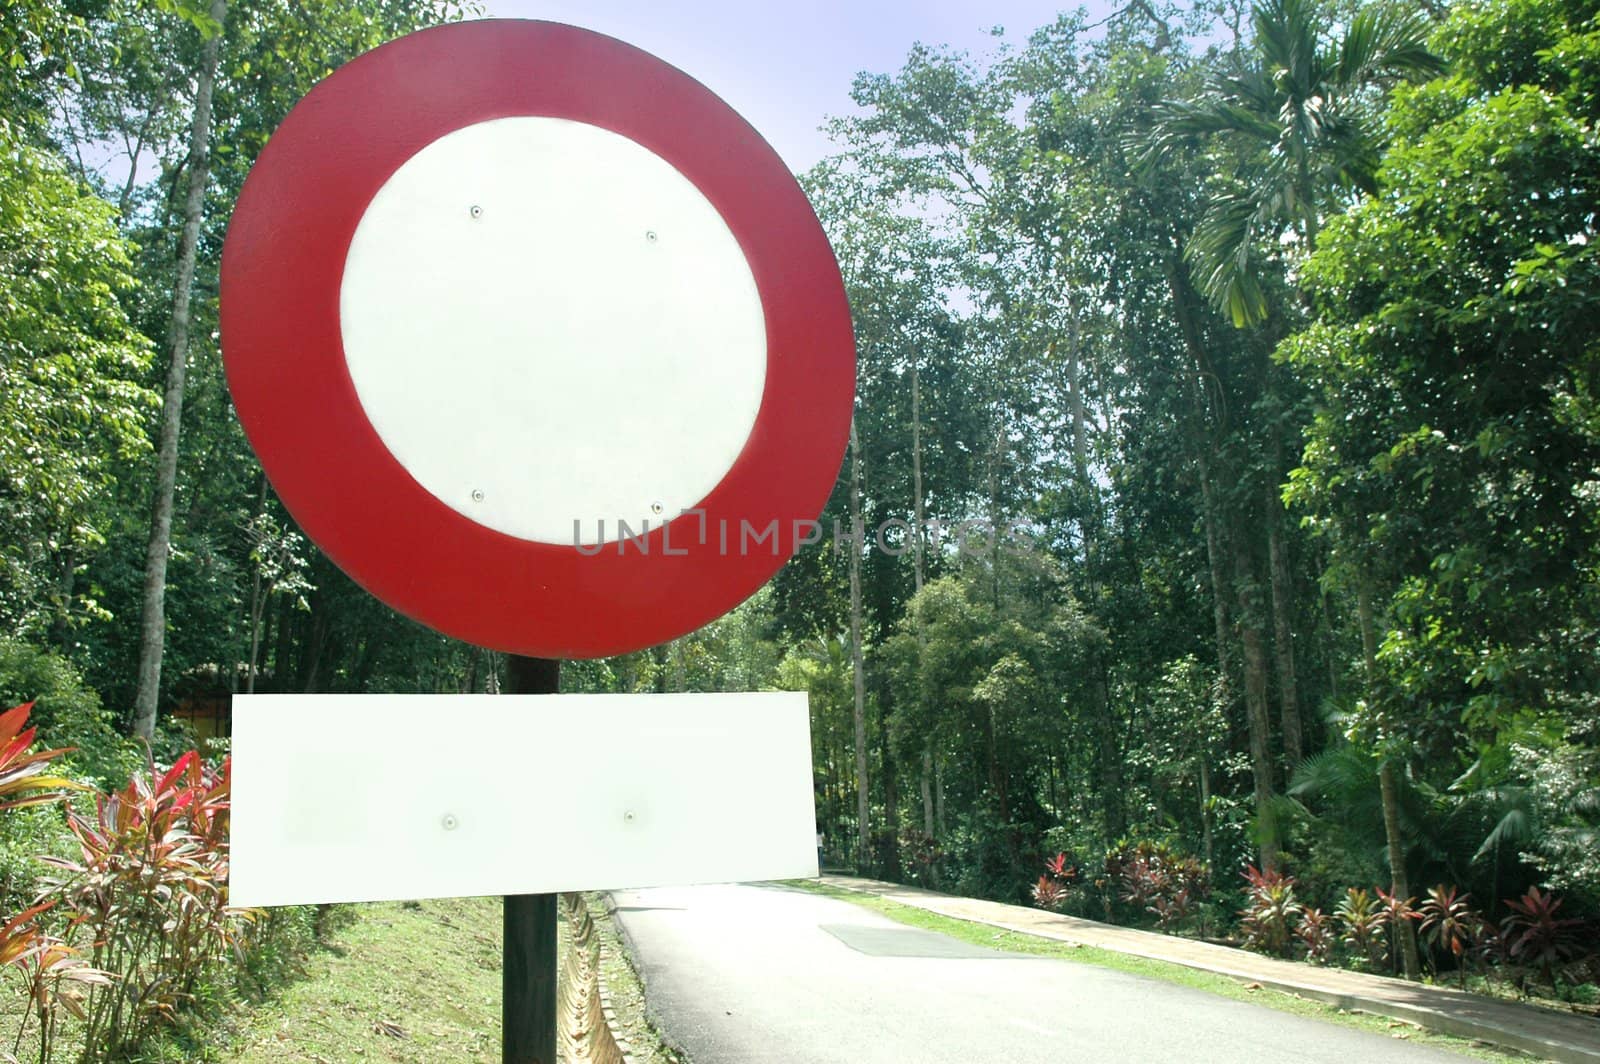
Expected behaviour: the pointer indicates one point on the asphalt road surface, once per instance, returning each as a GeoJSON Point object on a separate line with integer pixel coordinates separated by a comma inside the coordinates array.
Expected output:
{"type": "Point", "coordinates": [765, 975]}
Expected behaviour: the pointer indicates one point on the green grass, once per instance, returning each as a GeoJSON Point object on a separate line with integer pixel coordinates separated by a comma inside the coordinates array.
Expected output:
{"type": "Point", "coordinates": [430, 969]}
{"type": "Point", "coordinates": [1177, 974]}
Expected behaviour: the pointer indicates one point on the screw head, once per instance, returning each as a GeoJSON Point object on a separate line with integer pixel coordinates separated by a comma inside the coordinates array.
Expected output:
{"type": "Point", "coordinates": [477, 494]}
{"type": "Point", "coordinates": [475, 210]}
{"type": "Point", "coordinates": [655, 507]}
{"type": "Point", "coordinates": [449, 822]}
{"type": "Point", "coordinates": [650, 235]}
{"type": "Point", "coordinates": [627, 817]}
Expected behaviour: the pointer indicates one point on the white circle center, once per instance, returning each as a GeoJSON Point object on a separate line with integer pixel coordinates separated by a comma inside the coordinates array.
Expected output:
{"type": "Point", "coordinates": [550, 327]}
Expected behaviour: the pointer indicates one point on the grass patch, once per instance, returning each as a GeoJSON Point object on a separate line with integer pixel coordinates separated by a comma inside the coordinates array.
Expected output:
{"type": "Point", "coordinates": [626, 991]}
{"type": "Point", "coordinates": [414, 982]}
{"type": "Point", "coordinates": [1167, 972]}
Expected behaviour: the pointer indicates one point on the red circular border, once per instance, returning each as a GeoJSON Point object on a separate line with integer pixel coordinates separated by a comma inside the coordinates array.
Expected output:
{"type": "Point", "coordinates": [283, 263]}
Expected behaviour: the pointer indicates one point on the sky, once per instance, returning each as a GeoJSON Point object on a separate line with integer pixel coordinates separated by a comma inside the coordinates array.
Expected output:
{"type": "Point", "coordinates": [787, 67]}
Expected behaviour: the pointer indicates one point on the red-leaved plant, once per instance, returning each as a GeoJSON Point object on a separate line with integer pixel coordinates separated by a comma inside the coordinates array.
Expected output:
{"type": "Point", "coordinates": [1051, 892]}
{"type": "Point", "coordinates": [149, 890]}
{"type": "Point", "coordinates": [1363, 921]}
{"type": "Point", "coordinates": [1270, 910]}
{"type": "Point", "coordinates": [1315, 932]}
{"type": "Point", "coordinates": [24, 773]}
{"type": "Point", "coordinates": [1396, 911]}
{"type": "Point", "coordinates": [1449, 923]}
{"type": "Point", "coordinates": [52, 973]}
{"type": "Point", "coordinates": [1537, 938]}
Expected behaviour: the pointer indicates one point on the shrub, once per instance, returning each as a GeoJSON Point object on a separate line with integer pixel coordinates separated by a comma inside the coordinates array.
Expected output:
{"type": "Point", "coordinates": [1364, 923]}
{"type": "Point", "coordinates": [1168, 886]}
{"type": "Point", "coordinates": [1053, 891]}
{"type": "Point", "coordinates": [1315, 932]}
{"type": "Point", "coordinates": [1396, 911]}
{"type": "Point", "coordinates": [920, 853]}
{"type": "Point", "coordinates": [1450, 924]}
{"type": "Point", "coordinates": [148, 893]}
{"type": "Point", "coordinates": [1540, 940]}
{"type": "Point", "coordinates": [52, 973]}
{"type": "Point", "coordinates": [66, 711]}
{"type": "Point", "coordinates": [1270, 910]}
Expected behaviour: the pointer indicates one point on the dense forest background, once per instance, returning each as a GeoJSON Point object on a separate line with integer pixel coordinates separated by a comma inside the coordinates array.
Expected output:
{"type": "Point", "coordinates": [1270, 335]}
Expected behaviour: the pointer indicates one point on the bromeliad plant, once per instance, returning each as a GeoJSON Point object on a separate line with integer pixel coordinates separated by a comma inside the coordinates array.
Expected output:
{"type": "Point", "coordinates": [149, 890]}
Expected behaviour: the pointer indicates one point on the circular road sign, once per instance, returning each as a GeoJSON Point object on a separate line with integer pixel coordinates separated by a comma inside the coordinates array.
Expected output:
{"type": "Point", "coordinates": [537, 338]}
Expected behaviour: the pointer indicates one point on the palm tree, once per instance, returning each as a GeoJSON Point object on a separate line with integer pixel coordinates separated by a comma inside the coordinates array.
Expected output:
{"type": "Point", "coordinates": [1302, 112]}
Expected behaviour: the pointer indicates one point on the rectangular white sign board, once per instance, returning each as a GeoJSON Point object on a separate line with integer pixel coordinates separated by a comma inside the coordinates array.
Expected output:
{"type": "Point", "coordinates": [394, 797]}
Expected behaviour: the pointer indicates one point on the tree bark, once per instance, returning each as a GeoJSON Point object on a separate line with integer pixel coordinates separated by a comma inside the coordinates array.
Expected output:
{"type": "Point", "coordinates": [1388, 789]}
{"type": "Point", "coordinates": [1283, 637]}
{"type": "Point", "coordinates": [917, 567]}
{"type": "Point", "coordinates": [1399, 881]}
{"type": "Point", "coordinates": [857, 666]}
{"type": "Point", "coordinates": [927, 793]}
{"type": "Point", "coordinates": [1255, 698]}
{"type": "Point", "coordinates": [153, 622]}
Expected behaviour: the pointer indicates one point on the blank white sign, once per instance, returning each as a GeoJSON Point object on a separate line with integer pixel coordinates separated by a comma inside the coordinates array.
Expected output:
{"type": "Point", "coordinates": [391, 797]}
{"type": "Point", "coordinates": [550, 326]}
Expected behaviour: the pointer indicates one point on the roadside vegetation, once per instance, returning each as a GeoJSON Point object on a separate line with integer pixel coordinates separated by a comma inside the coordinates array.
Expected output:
{"type": "Point", "coordinates": [1176, 974]}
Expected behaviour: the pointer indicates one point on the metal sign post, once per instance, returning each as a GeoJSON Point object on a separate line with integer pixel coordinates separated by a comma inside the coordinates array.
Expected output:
{"type": "Point", "coordinates": [528, 952]}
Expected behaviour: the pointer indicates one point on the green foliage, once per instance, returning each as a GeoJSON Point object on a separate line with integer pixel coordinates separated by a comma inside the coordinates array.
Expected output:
{"type": "Point", "coordinates": [1301, 113]}
{"type": "Point", "coordinates": [66, 712]}
{"type": "Point", "coordinates": [71, 405]}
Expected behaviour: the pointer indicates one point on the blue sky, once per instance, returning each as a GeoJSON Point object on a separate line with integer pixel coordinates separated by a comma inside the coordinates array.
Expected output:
{"type": "Point", "coordinates": [786, 67]}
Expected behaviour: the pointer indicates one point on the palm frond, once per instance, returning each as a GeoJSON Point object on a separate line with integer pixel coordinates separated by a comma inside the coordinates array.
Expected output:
{"type": "Point", "coordinates": [1336, 773]}
{"type": "Point", "coordinates": [1515, 826]}
{"type": "Point", "coordinates": [1219, 254]}
{"type": "Point", "coordinates": [1382, 43]}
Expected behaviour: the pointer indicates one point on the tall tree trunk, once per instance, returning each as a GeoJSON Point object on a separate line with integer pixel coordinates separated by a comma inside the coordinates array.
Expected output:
{"type": "Point", "coordinates": [927, 793]}
{"type": "Point", "coordinates": [1182, 294]}
{"type": "Point", "coordinates": [1257, 719]}
{"type": "Point", "coordinates": [1388, 789]}
{"type": "Point", "coordinates": [153, 622]}
{"type": "Point", "coordinates": [857, 665]}
{"type": "Point", "coordinates": [889, 863]}
{"type": "Point", "coordinates": [1282, 611]}
{"type": "Point", "coordinates": [61, 625]}
{"type": "Point", "coordinates": [917, 568]}
{"type": "Point", "coordinates": [1283, 640]}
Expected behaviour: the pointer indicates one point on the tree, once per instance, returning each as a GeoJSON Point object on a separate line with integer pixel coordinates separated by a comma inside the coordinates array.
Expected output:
{"type": "Point", "coordinates": [1303, 111]}
{"type": "Point", "coordinates": [153, 622]}
{"type": "Point", "coordinates": [1455, 429]}
{"type": "Point", "coordinates": [71, 406]}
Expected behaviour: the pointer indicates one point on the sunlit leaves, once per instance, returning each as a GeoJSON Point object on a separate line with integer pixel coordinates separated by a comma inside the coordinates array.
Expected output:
{"type": "Point", "coordinates": [72, 413]}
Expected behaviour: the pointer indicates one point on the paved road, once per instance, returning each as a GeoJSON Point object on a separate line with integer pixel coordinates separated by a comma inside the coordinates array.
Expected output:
{"type": "Point", "coordinates": [764, 975]}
